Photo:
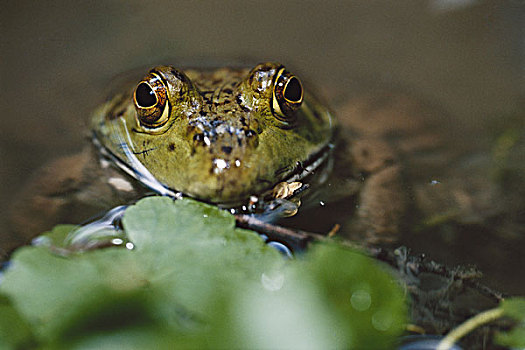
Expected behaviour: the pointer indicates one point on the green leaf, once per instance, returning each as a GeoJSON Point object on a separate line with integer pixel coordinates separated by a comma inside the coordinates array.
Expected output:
{"type": "Point", "coordinates": [15, 332]}
{"type": "Point", "coordinates": [358, 290]}
{"type": "Point", "coordinates": [331, 298]}
{"type": "Point", "coordinates": [195, 280]}
{"type": "Point", "coordinates": [515, 309]}
{"type": "Point", "coordinates": [514, 338]}
{"type": "Point", "coordinates": [193, 251]}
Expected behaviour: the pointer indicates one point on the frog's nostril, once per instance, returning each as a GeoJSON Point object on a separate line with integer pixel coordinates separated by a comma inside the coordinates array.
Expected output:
{"type": "Point", "coordinates": [201, 139]}
{"type": "Point", "coordinates": [251, 138]}
{"type": "Point", "coordinates": [226, 149]}
{"type": "Point", "coordinates": [249, 133]}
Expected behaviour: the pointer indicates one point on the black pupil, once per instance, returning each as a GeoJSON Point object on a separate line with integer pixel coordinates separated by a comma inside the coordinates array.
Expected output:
{"type": "Point", "coordinates": [145, 96]}
{"type": "Point", "coordinates": [293, 90]}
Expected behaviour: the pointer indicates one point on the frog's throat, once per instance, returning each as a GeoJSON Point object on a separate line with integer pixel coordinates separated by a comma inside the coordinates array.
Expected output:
{"type": "Point", "coordinates": [139, 172]}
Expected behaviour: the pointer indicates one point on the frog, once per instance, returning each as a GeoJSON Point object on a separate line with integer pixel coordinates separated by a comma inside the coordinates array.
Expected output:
{"type": "Point", "coordinates": [230, 137]}
{"type": "Point", "coordinates": [248, 138]}
{"type": "Point", "coordinates": [218, 136]}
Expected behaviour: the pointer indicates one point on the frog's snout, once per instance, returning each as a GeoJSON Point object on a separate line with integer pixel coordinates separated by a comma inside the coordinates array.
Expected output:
{"type": "Point", "coordinates": [221, 138]}
{"type": "Point", "coordinates": [222, 159]}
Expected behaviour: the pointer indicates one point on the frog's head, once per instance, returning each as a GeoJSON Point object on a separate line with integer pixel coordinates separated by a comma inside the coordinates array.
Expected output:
{"type": "Point", "coordinates": [218, 135]}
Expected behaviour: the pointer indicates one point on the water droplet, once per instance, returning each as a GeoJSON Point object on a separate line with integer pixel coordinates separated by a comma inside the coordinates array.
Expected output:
{"type": "Point", "coordinates": [382, 320]}
{"type": "Point", "coordinates": [281, 248]}
{"type": "Point", "coordinates": [220, 163]}
{"type": "Point", "coordinates": [272, 282]}
{"type": "Point", "coordinates": [41, 241]}
{"type": "Point", "coordinates": [361, 300]}
{"type": "Point", "coordinates": [106, 229]}
{"type": "Point", "coordinates": [117, 241]}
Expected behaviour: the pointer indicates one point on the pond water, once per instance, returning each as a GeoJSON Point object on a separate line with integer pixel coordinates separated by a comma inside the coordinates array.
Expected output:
{"type": "Point", "coordinates": [463, 60]}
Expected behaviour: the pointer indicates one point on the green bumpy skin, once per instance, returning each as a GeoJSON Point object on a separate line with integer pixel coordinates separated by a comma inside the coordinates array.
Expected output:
{"type": "Point", "coordinates": [218, 135]}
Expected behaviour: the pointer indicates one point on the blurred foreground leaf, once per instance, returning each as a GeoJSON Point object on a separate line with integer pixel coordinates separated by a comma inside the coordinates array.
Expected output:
{"type": "Point", "coordinates": [195, 280]}
{"type": "Point", "coordinates": [515, 309]}
{"type": "Point", "coordinates": [14, 330]}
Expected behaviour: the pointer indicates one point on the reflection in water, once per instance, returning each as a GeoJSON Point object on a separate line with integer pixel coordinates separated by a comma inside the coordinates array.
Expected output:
{"type": "Point", "coordinates": [281, 248]}
{"type": "Point", "coordinates": [131, 165]}
{"type": "Point", "coordinates": [106, 229]}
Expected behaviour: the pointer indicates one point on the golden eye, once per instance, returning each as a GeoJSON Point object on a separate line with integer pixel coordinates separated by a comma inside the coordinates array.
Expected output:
{"type": "Point", "coordinates": [287, 95]}
{"type": "Point", "coordinates": [151, 102]}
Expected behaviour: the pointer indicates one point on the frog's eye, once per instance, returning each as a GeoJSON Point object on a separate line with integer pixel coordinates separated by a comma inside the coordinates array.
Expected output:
{"type": "Point", "coordinates": [151, 102]}
{"type": "Point", "coordinates": [287, 95]}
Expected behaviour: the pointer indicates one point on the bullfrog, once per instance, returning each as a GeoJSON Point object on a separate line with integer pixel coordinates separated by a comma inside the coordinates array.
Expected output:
{"type": "Point", "coordinates": [233, 137]}
{"type": "Point", "coordinates": [219, 136]}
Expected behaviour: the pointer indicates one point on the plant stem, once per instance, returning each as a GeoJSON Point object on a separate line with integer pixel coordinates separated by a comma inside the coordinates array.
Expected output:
{"type": "Point", "coordinates": [467, 327]}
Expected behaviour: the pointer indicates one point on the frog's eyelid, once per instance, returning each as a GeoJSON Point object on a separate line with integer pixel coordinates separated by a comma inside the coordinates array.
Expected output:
{"type": "Point", "coordinates": [179, 74]}
{"type": "Point", "coordinates": [161, 78]}
{"type": "Point", "coordinates": [275, 107]}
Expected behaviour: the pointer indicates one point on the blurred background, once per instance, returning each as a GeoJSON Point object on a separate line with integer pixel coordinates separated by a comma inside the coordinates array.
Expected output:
{"type": "Point", "coordinates": [57, 58]}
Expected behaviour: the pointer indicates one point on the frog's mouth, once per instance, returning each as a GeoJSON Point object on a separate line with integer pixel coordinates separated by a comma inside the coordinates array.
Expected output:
{"type": "Point", "coordinates": [316, 165]}
{"type": "Point", "coordinates": [308, 168]}
{"type": "Point", "coordinates": [271, 204]}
